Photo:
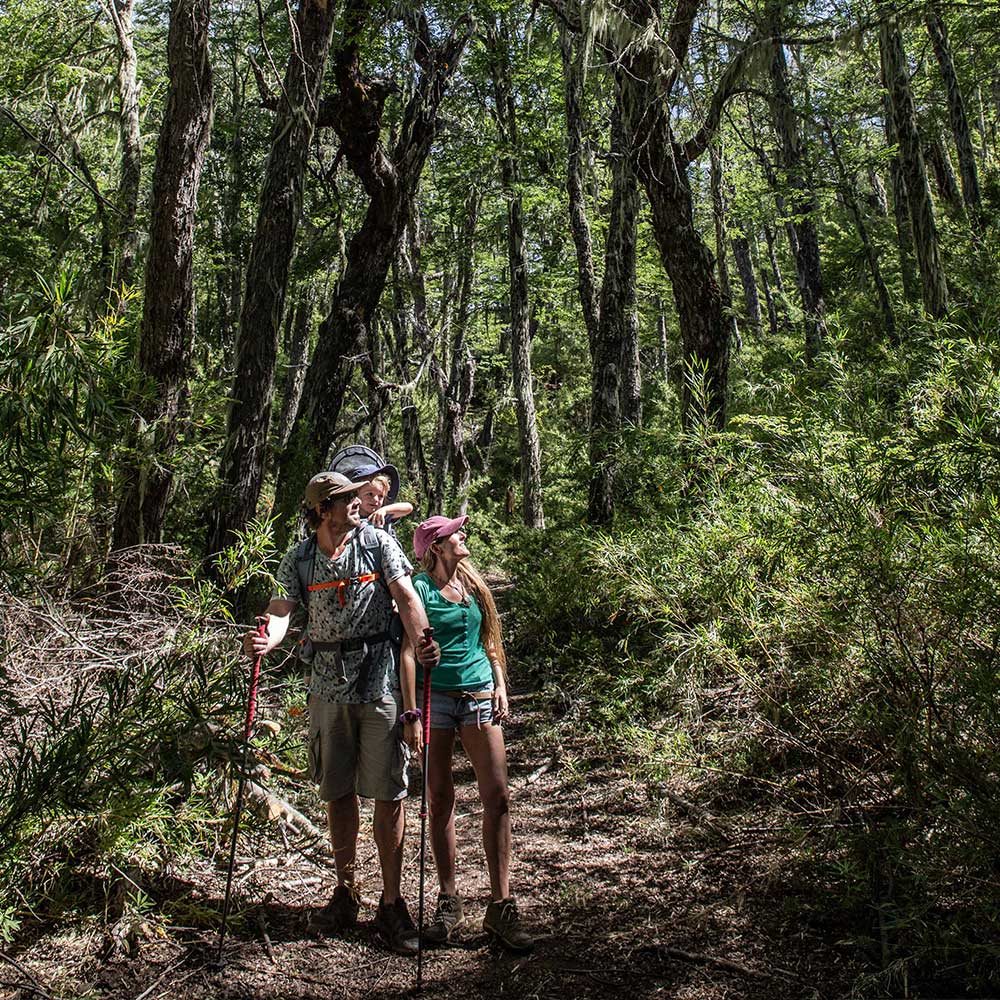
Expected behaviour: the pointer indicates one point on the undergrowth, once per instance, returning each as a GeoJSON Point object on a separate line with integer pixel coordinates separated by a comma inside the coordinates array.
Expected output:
{"type": "Point", "coordinates": [804, 609]}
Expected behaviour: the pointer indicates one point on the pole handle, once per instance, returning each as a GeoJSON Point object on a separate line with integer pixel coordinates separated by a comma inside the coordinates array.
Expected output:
{"type": "Point", "coordinates": [254, 678]}
{"type": "Point", "coordinates": [425, 714]}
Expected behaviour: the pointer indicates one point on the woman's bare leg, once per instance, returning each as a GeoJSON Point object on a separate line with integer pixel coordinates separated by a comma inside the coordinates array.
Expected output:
{"type": "Point", "coordinates": [488, 755]}
{"type": "Point", "coordinates": [441, 792]}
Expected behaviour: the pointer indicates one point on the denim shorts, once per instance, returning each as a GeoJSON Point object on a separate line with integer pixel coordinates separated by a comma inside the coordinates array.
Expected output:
{"type": "Point", "coordinates": [452, 710]}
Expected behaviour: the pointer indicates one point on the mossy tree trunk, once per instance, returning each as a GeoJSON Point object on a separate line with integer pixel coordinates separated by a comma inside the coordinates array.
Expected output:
{"type": "Point", "coordinates": [241, 470]}
{"type": "Point", "coordinates": [167, 329]}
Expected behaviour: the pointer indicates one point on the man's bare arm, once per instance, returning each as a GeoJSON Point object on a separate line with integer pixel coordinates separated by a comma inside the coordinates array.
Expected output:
{"type": "Point", "coordinates": [411, 610]}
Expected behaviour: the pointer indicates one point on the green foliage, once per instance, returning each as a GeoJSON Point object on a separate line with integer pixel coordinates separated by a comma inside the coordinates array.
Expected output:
{"type": "Point", "coordinates": [63, 384]}
{"type": "Point", "coordinates": [826, 579]}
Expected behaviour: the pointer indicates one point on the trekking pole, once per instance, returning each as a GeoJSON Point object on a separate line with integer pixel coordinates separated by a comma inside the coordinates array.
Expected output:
{"type": "Point", "coordinates": [425, 718]}
{"type": "Point", "coordinates": [251, 712]}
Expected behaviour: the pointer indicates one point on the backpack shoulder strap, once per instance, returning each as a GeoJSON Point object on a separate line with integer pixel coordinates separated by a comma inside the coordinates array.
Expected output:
{"type": "Point", "coordinates": [371, 551]}
{"type": "Point", "coordinates": [305, 563]}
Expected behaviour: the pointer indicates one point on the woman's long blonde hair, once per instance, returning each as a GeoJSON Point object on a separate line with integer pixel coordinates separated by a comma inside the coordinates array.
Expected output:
{"type": "Point", "coordinates": [489, 633]}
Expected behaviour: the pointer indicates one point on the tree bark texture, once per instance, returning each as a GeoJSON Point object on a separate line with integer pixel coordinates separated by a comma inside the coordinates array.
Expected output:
{"type": "Point", "coordinates": [895, 74]}
{"type": "Point", "coordinates": [945, 180]}
{"type": "Point", "coordinates": [769, 295]}
{"type": "Point", "coordinates": [743, 259]}
{"type": "Point", "coordinates": [379, 396]}
{"type": "Point", "coordinates": [900, 209]}
{"type": "Point", "coordinates": [579, 225]}
{"type": "Point", "coordinates": [413, 448]}
{"type": "Point", "coordinates": [298, 363]}
{"type": "Point", "coordinates": [390, 180]}
{"type": "Point", "coordinates": [461, 378]}
{"type": "Point", "coordinates": [231, 274]}
{"type": "Point", "coordinates": [802, 200]}
{"type": "Point", "coordinates": [612, 349]}
{"type": "Point", "coordinates": [520, 318]}
{"type": "Point", "coordinates": [241, 470]}
{"type": "Point", "coordinates": [662, 342]}
{"type": "Point", "coordinates": [168, 310]}
{"type": "Point", "coordinates": [719, 217]}
{"type": "Point", "coordinates": [661, 165]}
{"type": "Point", "coordinates": [130, 138]}
{"type": "Point", "coordinates": [957, 116]}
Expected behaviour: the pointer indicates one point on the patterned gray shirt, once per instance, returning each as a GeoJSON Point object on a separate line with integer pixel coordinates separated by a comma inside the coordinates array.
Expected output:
{"type": "Point", "coordinates": [353, 676]}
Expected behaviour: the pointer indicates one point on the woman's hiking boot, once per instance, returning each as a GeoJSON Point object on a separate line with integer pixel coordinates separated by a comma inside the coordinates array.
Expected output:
{"type": "Point", "coordinates": [503, 922]}
{"type": "Point", "coordinates": [448, 916]}
{"type": "Point", "coordinates": [340, 914]}
{"type": "Point", "coordinates": [395, 927]}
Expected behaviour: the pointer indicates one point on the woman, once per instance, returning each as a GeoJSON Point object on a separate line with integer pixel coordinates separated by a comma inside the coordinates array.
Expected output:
{"type": "Point", "coordinates": [468, 695]}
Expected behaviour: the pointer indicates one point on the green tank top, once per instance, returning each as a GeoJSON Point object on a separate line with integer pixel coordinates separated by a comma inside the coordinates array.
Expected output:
{"type": "Point", "coordinates": [464, 664]}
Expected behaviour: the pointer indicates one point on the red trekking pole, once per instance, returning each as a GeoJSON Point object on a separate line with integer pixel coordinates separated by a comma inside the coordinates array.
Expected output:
{"type": "Point", "coordinates": [425, 717]}
{"type": "Point", "coordinates": [251, 712]}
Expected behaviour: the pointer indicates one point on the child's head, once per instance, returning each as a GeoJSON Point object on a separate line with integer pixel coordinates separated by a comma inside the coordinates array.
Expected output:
{"type": "Point", "coordinates": [373, 495]}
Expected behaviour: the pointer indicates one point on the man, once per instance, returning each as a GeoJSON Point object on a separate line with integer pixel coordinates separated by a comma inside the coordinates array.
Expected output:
{"type": "Point", "coordinates": [349, 574]}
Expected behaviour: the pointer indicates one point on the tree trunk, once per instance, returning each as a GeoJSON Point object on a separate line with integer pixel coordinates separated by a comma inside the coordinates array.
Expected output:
{"type": "Point", "coordinates": [413, 448]}
{"type": "Point", "coordinates": [458, 395]}
{"type": "Point", "coordinates": [520, 318]}
{"type": "Point", "coordinates": [241, 471]}
{"type": "Point", "coordinates": [662, 342]}
{"type": "Point", "coordinates": [231, 277]}
{"type": "Point", "coordinates": [131, 141]}
{"type": "Point", "coordinates": [719, 216]}
{"type": "Point", "coordinates": [944, 174]}
{"type": "Point", "coordinates": [895, 75]}
{"type": "Point", "coordinates": [769, 297]}
{"type": "Point", "coordinates": [956, 114]}
{"type": "Point", "coordinates": [661, 165]}
{"type": "Point", "coordinates": [298, 363]}
{"type": "Point", "coordinates": [802, 200]}
{"type": "Point", "coordinates": [580, 227]}
{"type": "Point", "coordinates": [871, 255]}
{"type": "Point", "coordinates": [379, 396]}
{"type": "Point", "coordinates": [743, 259]}
{"type": "Point", "coordinates": [612, 348]}
{"type": "Point", "coordinates": [168, 310]}
{"type": "Point", "coordinates": [391, 182]}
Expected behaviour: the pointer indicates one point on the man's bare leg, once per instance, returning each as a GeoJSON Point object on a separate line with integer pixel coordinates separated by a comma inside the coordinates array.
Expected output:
{"type": "Point", "coordinates": [344, 819]}
{"type": "Point", "coordinates": [390, 823]}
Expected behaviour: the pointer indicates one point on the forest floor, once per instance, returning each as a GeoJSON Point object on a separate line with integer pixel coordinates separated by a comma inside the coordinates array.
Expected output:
{"type": "Point", "coordinates": [629, 888]}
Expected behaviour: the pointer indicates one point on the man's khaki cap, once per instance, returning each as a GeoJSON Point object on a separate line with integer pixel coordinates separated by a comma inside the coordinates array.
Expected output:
{"type": "Point", "coordinates": [329, 484]}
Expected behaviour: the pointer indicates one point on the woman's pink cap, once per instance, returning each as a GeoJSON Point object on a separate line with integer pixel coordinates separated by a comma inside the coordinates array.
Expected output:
{"type": "Point", "coordinates": [433, 529]}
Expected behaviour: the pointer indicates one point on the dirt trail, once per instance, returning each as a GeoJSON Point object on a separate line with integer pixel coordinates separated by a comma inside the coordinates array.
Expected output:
{"type": "Point", "coordinates": [628, 893]}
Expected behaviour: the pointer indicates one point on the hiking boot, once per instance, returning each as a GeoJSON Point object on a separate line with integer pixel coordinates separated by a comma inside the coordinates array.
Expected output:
{"type": "Point", "coordinates": [395, 927]}
{"type": "Point", "coordinates": [340, 914]}
{"type": "Point", "coordinates": [505, 925]}
{"type": "Point", "coordinates": [448, 917]}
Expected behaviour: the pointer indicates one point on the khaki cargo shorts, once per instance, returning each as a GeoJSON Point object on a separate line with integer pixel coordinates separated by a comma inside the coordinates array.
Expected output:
{"type": "Point", "coordinates": [358, 748]}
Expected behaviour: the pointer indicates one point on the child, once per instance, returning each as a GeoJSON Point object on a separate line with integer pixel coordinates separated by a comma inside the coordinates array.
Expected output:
{"type": "Point", "coordinates": [379, 505]}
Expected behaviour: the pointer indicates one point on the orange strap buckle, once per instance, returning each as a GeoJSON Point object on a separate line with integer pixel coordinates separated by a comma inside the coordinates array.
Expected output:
{"type": "Point", "coordinates": [341, 585]}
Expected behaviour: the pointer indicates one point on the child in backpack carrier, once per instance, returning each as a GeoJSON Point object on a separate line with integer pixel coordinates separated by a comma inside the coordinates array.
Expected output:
{"type": "Point", "coordinates": [374, 507]}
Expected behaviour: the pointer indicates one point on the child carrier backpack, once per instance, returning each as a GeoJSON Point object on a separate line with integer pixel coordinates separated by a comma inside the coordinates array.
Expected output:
{"type": "Point", "coordinates": [371, 557]}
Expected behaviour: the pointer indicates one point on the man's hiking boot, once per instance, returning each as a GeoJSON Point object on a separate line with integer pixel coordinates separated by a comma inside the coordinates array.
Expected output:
{"type": "Point", "coordinates": [505, 925]}
{"type": "Point", "coordinates": [340, 914]}
{"type": "Point", "coordinates": [395, 927]}
{"type": "Point", "coordinates": [448, 917]}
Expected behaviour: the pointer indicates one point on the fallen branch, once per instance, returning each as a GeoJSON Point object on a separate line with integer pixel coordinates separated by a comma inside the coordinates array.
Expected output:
{"type": "Point", "coordinates": [698, 958]}
{"type": "Point", "coordinates": [536, 774]}
{"type": "Point", "coordinates": [267, 939]}
{"type": "Point", "coordinates": [696, 812]}
{"type": "Point", "coordinates": [277, 809]}
{"type": "Point", "coordinates": [33, 980]}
